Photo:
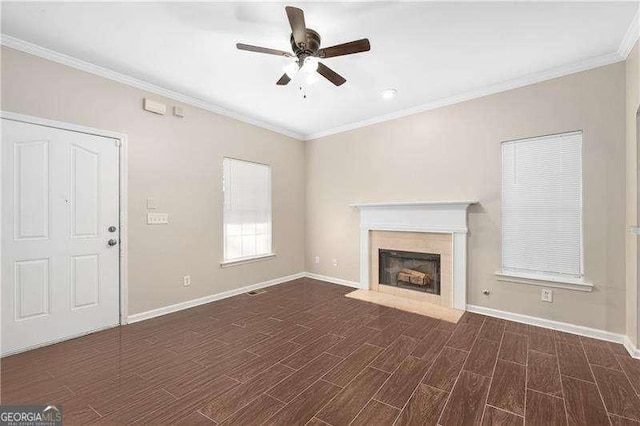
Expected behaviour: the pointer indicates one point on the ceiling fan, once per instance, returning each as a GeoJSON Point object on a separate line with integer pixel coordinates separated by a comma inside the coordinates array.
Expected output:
{"type": "Point", "coordinates": [305, 44]}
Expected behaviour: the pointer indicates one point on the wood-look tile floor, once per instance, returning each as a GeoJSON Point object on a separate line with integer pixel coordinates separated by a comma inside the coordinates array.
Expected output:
{"type": "Point", "coordinates": [301, 353]}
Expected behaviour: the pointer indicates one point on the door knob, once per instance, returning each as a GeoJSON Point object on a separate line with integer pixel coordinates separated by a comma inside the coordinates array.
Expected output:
{"type": "Point", "coordinates": [112, 242]}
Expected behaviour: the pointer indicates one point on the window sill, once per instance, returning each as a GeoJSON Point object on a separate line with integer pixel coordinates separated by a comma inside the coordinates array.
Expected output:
{"type": "Point", "coordinates": [245, 260]}
{"type": "Point", "coordinates": [567, 284]}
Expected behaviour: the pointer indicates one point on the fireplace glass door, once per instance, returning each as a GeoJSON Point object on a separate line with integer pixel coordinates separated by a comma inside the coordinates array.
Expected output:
{"type": "Point", "coordinates": [410, 270]}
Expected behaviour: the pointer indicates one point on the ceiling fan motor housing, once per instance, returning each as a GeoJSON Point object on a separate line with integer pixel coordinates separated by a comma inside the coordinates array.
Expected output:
{"type": "Point", "coordinates": [310, 48]}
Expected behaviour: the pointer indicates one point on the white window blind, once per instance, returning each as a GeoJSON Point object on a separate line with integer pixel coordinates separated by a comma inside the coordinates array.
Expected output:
{"type": "Point", "coordinates": [542, 206]}
{"type": "Point", "coordinates": [247, 209]}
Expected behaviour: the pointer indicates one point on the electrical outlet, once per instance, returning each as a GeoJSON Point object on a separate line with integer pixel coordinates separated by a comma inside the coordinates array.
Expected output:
{"type": "Point", "coordinates": [316, 260]}
{"type": "Point", "coordinates": [546, 295]}
{"type": "Point", "coordinates": [186, 280]}
{"type": "Point", "coordinates": [334, 262]}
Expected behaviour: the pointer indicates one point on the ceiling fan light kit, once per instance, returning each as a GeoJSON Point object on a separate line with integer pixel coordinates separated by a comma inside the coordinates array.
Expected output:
{"type": "Point", "coordinates": [291, 69]}
{"type": "Point", "coordinates": [305, 44]}
{"type": "Point", "coordinates": [310, 64]}
{"type": "Point", "coordinates": [312, 79]}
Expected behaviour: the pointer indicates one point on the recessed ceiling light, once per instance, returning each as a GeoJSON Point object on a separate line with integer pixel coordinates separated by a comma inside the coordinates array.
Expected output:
{"type": "Point", "coordinates": [389, 93]}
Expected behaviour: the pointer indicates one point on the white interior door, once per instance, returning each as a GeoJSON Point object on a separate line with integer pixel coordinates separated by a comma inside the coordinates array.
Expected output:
{"type": "Point", "coordinates": [60, 211]}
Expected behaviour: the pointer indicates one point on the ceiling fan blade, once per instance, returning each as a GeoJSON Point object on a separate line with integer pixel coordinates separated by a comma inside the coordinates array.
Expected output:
{"type": "Point", "coordinates": [298, 27]}
{"type": "Point", "coordinates": [352, 47]}
{"type": "Point", "coordinates": [330, 74]}
{"type": "Point", "coordinates": [259, 49]}
{"type": "Point", "coordinates": [284, 80]}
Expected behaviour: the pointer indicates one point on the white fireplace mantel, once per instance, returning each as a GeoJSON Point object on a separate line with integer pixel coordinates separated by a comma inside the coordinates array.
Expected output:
{"type": "Point", "coordinates": [419, 216]}
{"type": "Point", "coordinates": [464, 203]}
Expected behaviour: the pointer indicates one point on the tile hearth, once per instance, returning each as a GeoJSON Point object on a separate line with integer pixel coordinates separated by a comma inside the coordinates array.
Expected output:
{"type": "Point", "coordinates": [407, 304]}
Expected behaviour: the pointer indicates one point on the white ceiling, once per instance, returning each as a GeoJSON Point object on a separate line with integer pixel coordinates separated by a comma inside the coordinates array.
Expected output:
{"type": "Point", "coordinates": [427, 51]}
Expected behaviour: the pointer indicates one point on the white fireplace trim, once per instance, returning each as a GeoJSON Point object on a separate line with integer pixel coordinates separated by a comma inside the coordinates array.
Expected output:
{"type": "Point", "coordinates": [445, 204]}
{"type": "Point", "coordinates": [449, 217]}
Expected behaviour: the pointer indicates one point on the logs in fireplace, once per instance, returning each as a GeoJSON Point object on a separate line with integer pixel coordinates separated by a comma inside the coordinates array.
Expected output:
{"type": "Point", "coordinates": [412, 276]}
{"type": "Point", "coordinates": [410, 270]}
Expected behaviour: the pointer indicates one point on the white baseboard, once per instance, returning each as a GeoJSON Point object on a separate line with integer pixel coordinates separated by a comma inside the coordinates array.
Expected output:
{"type": "Point", "coordinates": [511, 316]}
{"type": "Point", "coordinates": [630, 347]}
{"type": "Point", "coordinates": [333, 280]}
{"type": "Point", "coordinates": [560, 326]}
{"type": "Point", "coordinates": [526, 319]}
{"type": "Point", "coordinates": [212, 298]}
{"type": "Point", "coordinates": [208, 299]}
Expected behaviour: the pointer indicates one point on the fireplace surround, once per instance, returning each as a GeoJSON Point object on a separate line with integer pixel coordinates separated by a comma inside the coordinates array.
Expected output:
{"type": "Point", "coordinates": [435, 227]}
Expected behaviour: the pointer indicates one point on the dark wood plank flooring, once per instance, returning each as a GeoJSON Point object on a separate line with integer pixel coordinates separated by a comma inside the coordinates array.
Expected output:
{"type": "Point", "coordinates": [301, 353]}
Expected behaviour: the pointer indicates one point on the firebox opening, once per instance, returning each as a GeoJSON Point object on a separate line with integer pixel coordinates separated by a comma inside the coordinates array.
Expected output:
{"type": "Point", "coordinates": [410, 270]}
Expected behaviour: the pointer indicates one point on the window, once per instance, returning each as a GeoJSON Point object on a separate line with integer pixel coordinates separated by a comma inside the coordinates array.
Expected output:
{"type": "Point", "coordinates": [247, 210]}
{"type": "Point", "coordinates": [542, 208]}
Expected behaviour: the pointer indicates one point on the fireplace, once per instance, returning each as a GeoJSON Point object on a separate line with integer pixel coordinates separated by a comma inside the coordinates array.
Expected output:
{"type": "Point", "coordinates": [410, 270]}
{"type": "Point", "coordinates": [423, 227]}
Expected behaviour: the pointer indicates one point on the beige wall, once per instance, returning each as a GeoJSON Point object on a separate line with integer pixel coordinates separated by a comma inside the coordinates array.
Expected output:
{"type": "Point", "coordinates": [454, 153]}
{"type": "Point", "coordinates": [632, 103]}
{"type": "Point", "coordinates": [448, 153]}
{"type": "Point", "coordinates": [178, 162]}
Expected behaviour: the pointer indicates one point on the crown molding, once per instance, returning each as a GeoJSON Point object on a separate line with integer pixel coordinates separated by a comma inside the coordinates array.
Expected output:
{"type": "Point", "coordinates": [61, 58]}
{"type": "Point", "coordinates": [631, 36]}
{"type": "Point", "coordinates": [628, 41]}
{"type": "Point", "coordinates": [625, 47]}
{"type": "Point", "coordinates": [477, 93]}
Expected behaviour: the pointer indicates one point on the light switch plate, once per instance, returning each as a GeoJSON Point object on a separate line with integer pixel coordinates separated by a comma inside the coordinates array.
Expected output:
{"type": "Point", "coordinates": [157, 218]}
{"type": "Point", "coordinates": [546, 295]}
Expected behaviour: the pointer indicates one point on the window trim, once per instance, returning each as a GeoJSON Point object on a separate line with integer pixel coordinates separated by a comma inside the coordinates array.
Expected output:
{"type": "Point", "coordinates": [541, 279]}
{"type": "Point", "coordinates": [247, 259]}
{"type": "Point", "coordinates": [224, 263]}
{"type": "Point", "coordinates": [545, 281]}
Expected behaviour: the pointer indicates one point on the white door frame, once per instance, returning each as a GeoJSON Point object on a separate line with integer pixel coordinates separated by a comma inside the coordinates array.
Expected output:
{"type": "Point", "coordinates": [124, 225]}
